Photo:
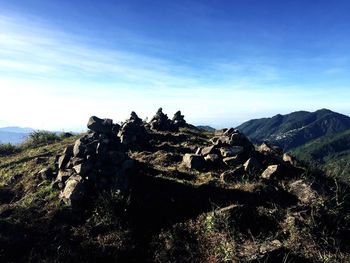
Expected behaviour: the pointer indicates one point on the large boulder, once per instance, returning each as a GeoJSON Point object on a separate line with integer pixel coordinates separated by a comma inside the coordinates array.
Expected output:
{"type": "Point", "coordinates": [100, 125]}
{"type": "Point", "coordinates": [231, 151]}
{"type": "Point", "coordinates": [74, 191]}
{"type": "Point", "coordinates": [193, 161]}
{"type": "Point", "coordinates": [252, 165]}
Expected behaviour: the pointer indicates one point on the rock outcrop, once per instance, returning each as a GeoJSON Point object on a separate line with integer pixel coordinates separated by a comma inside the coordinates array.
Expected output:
{"type": "Point", "coordinates": [133, 133]}
{"type": "Point", "coordinates": [95, 161]}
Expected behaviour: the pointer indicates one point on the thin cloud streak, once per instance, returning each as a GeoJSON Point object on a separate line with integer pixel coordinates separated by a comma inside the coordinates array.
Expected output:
{"type": "Point", "coordinates": [57, 80]}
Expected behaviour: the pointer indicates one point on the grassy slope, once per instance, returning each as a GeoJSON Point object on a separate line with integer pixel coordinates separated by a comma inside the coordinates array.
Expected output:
{"type": "Point", "coordinates": [312, 125]}
{"type": "Point", "coordinates": [177, 215]}
{"type": "Point", "coordinates": [330, 152]}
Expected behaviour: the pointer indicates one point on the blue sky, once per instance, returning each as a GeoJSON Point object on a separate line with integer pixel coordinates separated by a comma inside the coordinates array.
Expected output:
{"type": "Point", "coordinates": [221, 62]}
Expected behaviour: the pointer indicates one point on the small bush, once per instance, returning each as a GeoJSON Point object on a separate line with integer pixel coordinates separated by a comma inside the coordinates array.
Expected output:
{"type": "Point", "coordinates": [7, 149]}
{"type": "Point", "coordinates": [39, 138]}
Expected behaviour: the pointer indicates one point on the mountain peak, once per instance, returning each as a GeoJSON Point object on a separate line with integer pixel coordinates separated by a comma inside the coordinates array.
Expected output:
{"type": "Point", "coordinates": [291, 130]}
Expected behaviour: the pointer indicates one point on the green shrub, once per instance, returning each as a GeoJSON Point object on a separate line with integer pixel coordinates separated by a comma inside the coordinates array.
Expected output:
{"type": "Point", "coordinates": [39, 138]}
{"type": "Point", "coordinates": [8, 148]}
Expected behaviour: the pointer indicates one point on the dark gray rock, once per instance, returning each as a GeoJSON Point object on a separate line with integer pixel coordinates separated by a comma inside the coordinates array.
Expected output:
{"type": "Point", "coordinates": [231, 151]}
{"type": "Point", "coordinates": [209, 150]}
{"type": "Point", "coordinates": [161, 122]}
{"type": "Point", "coordinates": [232, 161]}
{"type": "Point", "coordinates": [232, 175]}
{"type": "Point", "coordinates": [193, 161]}
{"type": "Point", "coordinates": [74, 190]}
{"type": "Point", "coordinates": [46, 173]}
{"type": "Point", "coordinates": [100, 125]}
{"type": "Point", "coordinates": [63, 161]}
{"type": "Point", "coordinates": [179, 120]}
{"type": "Point", "coordinates": [252, 165]}
{"type": "Point", "coordinates": [69, 150]}
{"type": "Point", "coordinates": [83, 168]}
{"type": "Point", "coordinates": [79, 148]}
{"type": "Point", "coordinates": [212, 159]}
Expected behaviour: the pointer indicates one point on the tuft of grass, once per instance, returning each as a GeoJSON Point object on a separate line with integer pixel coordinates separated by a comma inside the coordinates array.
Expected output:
{"type": "Point", "coordinates": [8, 149]}
{"type": "Point", "coordinates": [39, 138]}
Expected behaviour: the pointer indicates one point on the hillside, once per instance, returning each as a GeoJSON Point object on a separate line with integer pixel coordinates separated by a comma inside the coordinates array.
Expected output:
{"type": "Point", "coordinates": [295, 129]}
{"type": "Point", "coordinates": [331, 153]}
{"type": "Point", "coordinates": [166, 191]}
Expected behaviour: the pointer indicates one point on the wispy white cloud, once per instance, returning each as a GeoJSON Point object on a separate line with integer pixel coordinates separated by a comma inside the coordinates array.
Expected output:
{"type": "Point", "coordinates": [53, 79]}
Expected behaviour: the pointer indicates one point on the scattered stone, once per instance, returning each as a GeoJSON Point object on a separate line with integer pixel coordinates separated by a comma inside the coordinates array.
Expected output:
{"type": "Point", "coordinates": [271, 172]}
{"type": "Point", "coordinates": [289, 159]}
{"type": "Point", "coordinates": [193, 161]}
{"type": "Point", "coordinates": [63, 161]}
{"type": "Point", "coordinates": [212, 159]}
{"type": "Point", "coordinates": [231, 151]}
{"type": "Point", "coordinates": [232, 161]}
{"type": "Point", "coordinates": [199, 150]}
{"type": "Point", "coordinates": [68, 150]}
{"type": "Point", "coordinates": [266, 148]}
{"type": "Point", "coordinates": [83, 168]}
{"type": "Point", "coordinates": [209, 150]}
{"type": "Point", "coordinates": [232, 175]}
{"type": "Point", "coordinates": [252, 165]}
{"type": "Point", "coordinates": [46, 173]}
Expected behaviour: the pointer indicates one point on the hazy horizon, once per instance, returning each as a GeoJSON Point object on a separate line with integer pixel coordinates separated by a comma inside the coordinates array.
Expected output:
{"type": "Point", "coordinates": [219, 62]}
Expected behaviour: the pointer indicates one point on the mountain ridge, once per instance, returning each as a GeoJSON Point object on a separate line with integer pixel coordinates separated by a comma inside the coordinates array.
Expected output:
{"type": "Point", "coordinates": [294, 129]}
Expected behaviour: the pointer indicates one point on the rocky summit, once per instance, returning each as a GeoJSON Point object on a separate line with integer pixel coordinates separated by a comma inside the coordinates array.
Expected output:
{"type": "Point", "coordinates": [166, 191]}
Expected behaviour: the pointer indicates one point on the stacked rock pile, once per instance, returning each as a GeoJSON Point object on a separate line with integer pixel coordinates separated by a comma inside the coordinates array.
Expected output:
{"type": "Point", "coordinates": [133, 133]}
{"type": "Point", "coordinates": [96, 161]}
{"type": "Point", "coordinates": [179, 120]}
{"type": "Point", "coordinates": [161, 122]}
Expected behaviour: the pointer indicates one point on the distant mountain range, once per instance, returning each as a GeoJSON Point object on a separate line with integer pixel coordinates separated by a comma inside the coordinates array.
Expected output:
{"type": "Point", "coordinates": [321, 137]}
{"type": "Point", "coordinates": [295, 129]}
{"type": "Point", "coordinates": [14, 135]}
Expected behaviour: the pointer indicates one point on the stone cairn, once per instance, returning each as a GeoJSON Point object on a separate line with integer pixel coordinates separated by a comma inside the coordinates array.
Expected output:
{"type": "Point", "coordinates": [133, 133]}
{"type": "Point", "coordinates": [161, 122]}
{"type": "Point", "coordinates": [233, 151]}
{"type": "Point", "coordinates": [96, 161]}
{"type": "Point", "coordinates": [179, 120]}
